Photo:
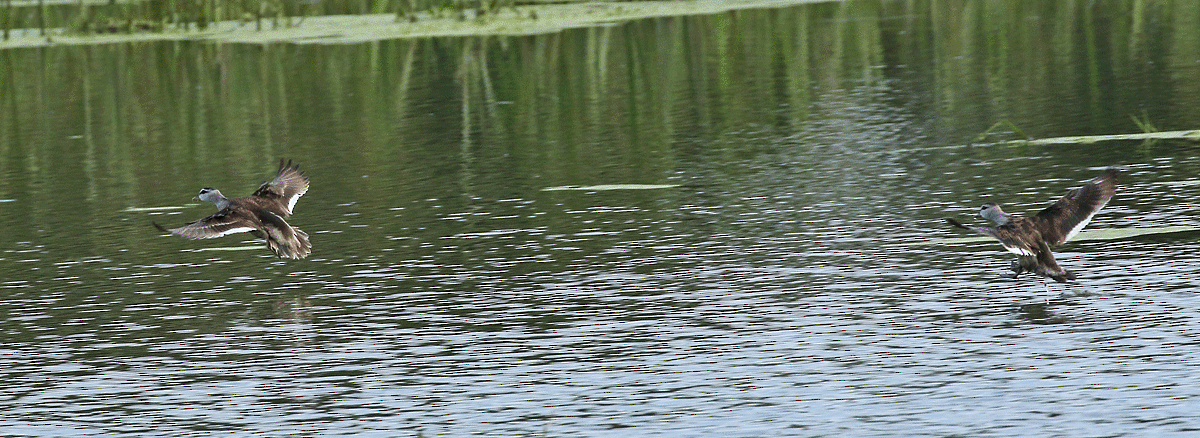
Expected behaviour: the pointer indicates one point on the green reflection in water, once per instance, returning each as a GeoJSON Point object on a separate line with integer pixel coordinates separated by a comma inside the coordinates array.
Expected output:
{"type": "Point", "coordinates": [384, 126]}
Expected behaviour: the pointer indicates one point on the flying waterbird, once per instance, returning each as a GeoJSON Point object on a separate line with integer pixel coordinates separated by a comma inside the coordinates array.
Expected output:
{"type": "Point", "coordinates": [1031, 238]}
{"type": "Point", "coordinates": [263, 214]}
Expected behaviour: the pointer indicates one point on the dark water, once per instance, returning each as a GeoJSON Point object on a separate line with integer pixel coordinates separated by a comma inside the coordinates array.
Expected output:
{"type": "Point", "coordinates": [780, 287]}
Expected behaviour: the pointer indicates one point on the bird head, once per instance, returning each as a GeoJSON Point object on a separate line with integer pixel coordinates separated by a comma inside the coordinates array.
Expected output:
{"type": "Point", "coordinates": [209, 194]}
{"type": "Point", "coordinates": [993, 213]}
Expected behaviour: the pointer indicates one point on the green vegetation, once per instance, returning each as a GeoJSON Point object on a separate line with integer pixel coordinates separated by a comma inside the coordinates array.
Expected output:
{"type": "Point", "coordinates": [995, 127]}
{"type": "Point", "coordinates": [1192, 134]}
{"type": "Point", "coordinates": [330, 20]}
{"type": "Point", "coordinates": [604, 187]}
{"type": "Point", "coordinates": [1149, 135]}
{"type": "Point", "coordinates": [128, 16]}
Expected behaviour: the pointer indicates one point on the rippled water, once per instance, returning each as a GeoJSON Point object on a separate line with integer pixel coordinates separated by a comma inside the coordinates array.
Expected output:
{"type": "Point", "coordinates": [785, 286]}
{"type": "Point", "coordinates": [682, 311]}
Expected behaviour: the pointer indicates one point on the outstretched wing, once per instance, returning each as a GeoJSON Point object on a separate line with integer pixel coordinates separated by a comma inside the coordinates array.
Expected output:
{"type": "Point", "coordinates": [1068, 215]}
{"type": "Point", "coordinates": [1006, 239]}
{"type": "Point", "coordinates": [287, 187]}
{"type": "Point", "coordinates": [221, 223]}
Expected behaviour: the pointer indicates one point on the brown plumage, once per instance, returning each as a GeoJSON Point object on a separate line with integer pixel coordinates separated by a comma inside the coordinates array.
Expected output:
{"type": "Point", "coordinates": [263, 214]}
{"type": "Point", "coordinates": [1031, 238]}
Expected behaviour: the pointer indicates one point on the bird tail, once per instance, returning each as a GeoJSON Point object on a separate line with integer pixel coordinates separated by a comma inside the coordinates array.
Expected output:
{"type": "Point", "coordinates": [1048, 267]}
{"type": "Point", "coordinates": [1061, 276]}
{"type": "Point", "coordinates": [284, 239]}
{"type": "Point", "coordinates": [303, 246]}
{"type": "Point", "coordinates": [1064, 276]}
{"type": "Point", "coordinates": [957, 223]}
{"type": "Point", "coordinates": [295, 246]}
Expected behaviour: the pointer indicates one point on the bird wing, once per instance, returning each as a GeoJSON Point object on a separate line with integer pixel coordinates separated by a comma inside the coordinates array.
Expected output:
{"type": "Point", "coordinates": [221, 223]}
{"type": "Point", "coordinates": [1011, 245]}
{"type": "Point", "coordinates": [1063, 219]}
{"type": "Point", "coordinates": [287, 187]}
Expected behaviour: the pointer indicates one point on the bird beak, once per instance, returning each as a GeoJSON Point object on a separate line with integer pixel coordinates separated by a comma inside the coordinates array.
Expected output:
{"type": "Point", "coordinates": [195, 198]}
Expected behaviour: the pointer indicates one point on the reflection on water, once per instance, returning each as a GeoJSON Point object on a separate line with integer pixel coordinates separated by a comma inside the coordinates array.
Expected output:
{"type": "Point", "coordinates": [726, 263]}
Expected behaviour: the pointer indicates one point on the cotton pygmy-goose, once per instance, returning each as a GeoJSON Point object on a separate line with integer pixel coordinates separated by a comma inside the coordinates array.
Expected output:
{"type": "Point", "coordinates": [1031, 238]}
{"type": "Point", "coordinates": [263, 214]}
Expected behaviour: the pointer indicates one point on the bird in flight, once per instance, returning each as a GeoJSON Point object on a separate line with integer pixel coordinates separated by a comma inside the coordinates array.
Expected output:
{"type": "Point", "coordinates": [1030, 238]}
{"type": "Point", "coordinates": [263, 214]}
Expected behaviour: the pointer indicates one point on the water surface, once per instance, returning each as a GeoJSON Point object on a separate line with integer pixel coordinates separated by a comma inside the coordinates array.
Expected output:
{"type": "Point", "coordinates": [772, 281]}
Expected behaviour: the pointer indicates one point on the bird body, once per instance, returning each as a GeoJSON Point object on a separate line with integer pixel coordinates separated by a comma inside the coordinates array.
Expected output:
{"type": "Point", "coordinates": [1031, 238]}
{"type": "Point", "coordinates": [263, 214]}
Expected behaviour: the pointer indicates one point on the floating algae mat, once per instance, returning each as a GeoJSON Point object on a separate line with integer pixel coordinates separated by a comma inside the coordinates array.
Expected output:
{"type": "Point", "coordinates": [1193, 135]}
{"type": "Point", "coordinates": [165, 208]}
{"type": "Point", "coordinates": [1190, 182]}
{"type": "Point", "coordinates": [351, 29]}
{"type": "Point", "coordinates": [603, 187]}
{"type": "Point", "coordinates": [1106, 234]}
{"type": "Point", "coordinates": [230, 248]}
